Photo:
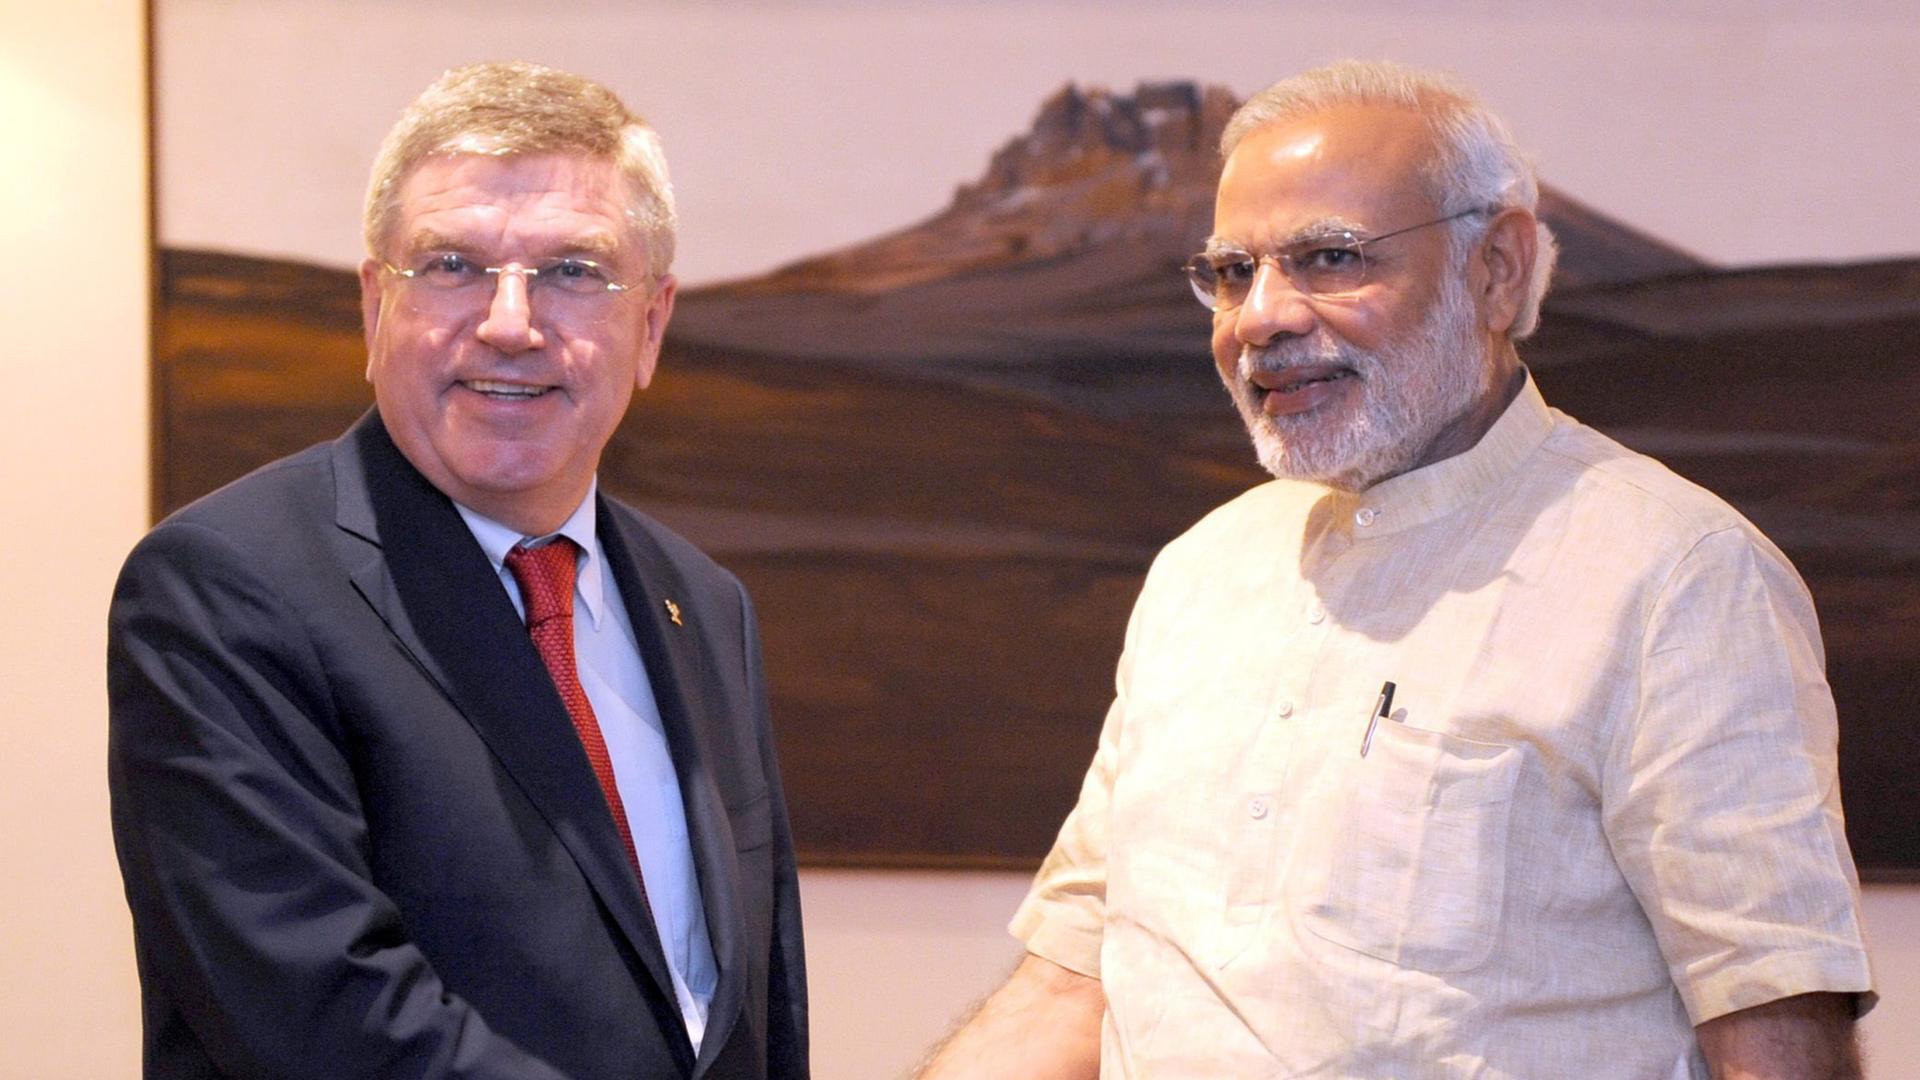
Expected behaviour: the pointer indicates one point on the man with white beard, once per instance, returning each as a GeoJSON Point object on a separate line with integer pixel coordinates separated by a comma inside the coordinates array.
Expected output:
{"type": "Point", "coordinates": [1475, 744]}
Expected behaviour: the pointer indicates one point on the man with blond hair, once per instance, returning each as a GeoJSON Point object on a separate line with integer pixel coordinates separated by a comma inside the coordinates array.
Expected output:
{"type": "Point", "coordinates": [1474, 744]}
{"type": "Point", "coordinates": [428, 758]}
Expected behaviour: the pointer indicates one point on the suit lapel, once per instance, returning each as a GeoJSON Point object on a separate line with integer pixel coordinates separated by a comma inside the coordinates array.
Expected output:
{"type": "Point", "coordinates": [670, 637]}
{"type": "Point", "coordinates": [430, 582]}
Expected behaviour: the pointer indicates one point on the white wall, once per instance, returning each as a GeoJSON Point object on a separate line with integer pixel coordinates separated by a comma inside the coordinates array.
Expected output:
{"type": "Point", "coordinates": [73, 436]}
{"type": "Point", "coordinates": [893, 955]}
{"type": "Point", "coordinates": [1892, 1030]}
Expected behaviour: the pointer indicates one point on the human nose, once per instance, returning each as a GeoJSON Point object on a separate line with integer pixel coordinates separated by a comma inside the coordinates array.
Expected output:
{"type": "Point", "coordinates": [509, 323]}
{"type": "Point", "coordinates": [1275, 307]}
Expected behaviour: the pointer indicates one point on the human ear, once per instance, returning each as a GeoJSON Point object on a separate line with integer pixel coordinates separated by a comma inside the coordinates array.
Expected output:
{"type": "Point", "coordinates": [658, 310]}
{"type": "Point", "coordinates": [1505, 260]}
{"type": "Point", "coordinates": [370, 286]}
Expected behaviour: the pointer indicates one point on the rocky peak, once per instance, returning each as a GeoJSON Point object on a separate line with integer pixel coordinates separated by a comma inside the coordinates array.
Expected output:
{"type": "Point", "coordinates": [1095, 166]}
{"type": "Point", "coordinates": [1160, 131]}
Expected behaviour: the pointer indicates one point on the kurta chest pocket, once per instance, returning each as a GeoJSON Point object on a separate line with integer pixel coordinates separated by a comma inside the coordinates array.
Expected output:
{"type": "Point", "coordinates": [1412, 869]}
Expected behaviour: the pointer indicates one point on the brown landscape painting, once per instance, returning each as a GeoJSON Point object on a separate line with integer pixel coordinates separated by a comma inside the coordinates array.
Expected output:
{"type": "Point", "coordinates": [942, 459]}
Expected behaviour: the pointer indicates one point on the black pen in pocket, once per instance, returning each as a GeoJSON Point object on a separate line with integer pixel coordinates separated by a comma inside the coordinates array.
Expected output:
{"type": "Point", "coordinates": [1381, 707]}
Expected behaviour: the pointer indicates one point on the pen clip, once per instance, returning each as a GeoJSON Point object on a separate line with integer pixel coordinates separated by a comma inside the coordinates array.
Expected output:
{"type": "Point", "coordinates": [1381, 707]}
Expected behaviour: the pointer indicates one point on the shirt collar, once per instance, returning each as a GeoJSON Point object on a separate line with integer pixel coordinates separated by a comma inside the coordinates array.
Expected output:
{"type": "Point", "coordinates": [1433, 491]}
{"type": "Point", "coordinates": [589, 582]}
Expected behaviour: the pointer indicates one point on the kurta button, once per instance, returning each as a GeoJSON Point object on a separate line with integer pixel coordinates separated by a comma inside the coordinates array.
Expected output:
{"type": "Point", "coordinates": [1365, 516]}
{"type": "Point", "coordinates": [1258, 809]}
{"type": "Point", "coordinates": [1285, 710]}
{"type": "Point", "coordinates": [1317, 616]}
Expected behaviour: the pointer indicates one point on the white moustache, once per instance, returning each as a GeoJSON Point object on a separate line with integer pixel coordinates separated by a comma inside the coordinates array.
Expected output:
{"type": "Point", "coordinates": [1277, 357]}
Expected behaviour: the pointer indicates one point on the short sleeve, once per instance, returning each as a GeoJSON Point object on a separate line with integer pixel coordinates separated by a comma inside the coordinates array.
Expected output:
{"type": "Point", "coordinates": [1721, 797]}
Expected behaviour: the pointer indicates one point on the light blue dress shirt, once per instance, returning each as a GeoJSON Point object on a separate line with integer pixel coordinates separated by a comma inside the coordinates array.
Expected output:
{"type": "Point", "coordinates": [615, 679]}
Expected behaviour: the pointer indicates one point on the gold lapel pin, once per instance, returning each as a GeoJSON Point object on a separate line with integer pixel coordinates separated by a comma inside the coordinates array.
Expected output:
{"type": "Point", "coordinates": [673, 612]}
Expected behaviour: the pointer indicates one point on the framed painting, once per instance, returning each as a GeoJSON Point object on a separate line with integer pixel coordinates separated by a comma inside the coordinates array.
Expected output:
{"type": "Point", "coordinates": [935, 388]}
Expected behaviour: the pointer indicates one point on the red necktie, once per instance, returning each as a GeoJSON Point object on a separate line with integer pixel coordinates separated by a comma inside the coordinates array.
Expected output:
{"type": "Point", "coordinates": [545, 574]}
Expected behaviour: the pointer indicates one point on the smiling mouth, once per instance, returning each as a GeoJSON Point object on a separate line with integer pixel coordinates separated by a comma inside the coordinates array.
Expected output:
{"type": "Point", "coordinates": [505, 391]}
{"type": "Point", "coordinates": [1283, 383]}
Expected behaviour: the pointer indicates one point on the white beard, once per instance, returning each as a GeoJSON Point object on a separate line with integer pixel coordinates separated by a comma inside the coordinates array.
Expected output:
{"type": "Point", "coordinates": [1409, 391]}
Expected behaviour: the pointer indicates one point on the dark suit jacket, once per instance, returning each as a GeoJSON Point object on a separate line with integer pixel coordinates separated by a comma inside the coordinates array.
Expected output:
{"type": "Point", "coordinates": [358, 834]}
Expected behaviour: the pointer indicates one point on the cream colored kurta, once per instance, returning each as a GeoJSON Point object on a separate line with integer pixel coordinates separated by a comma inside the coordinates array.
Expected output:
{"type": "Point", "coordinates": [1603, 808]}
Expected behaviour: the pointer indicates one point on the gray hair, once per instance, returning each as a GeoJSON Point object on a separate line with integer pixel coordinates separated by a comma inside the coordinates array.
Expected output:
{"type": "Point", "coordinates": [1475, 163]}
{"type": "Point", "coordinates": [520, 108]}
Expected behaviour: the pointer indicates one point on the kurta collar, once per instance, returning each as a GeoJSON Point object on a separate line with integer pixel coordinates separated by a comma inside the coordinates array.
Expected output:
{"type": "Point", "coordinates": [1424, 494]}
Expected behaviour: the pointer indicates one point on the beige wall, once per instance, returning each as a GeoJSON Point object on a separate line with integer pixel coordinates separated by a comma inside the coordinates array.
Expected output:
{"type": "Point", "coordinates": [892, 955]}
{"type": "Point", "coordinates": [73, 436]}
